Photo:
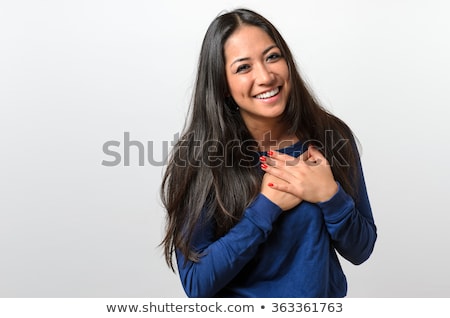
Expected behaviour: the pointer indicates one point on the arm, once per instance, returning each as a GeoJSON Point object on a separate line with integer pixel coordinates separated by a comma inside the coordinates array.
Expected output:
{"type": "Point", "coordinates": [350, 222]}
{"type": "Point", "coordinates": [221, 260]}
{"type": "Point", "coordinates": [309, 177]}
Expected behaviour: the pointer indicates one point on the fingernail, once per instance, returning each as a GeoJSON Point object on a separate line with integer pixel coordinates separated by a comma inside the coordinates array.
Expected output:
{"type": "Point", "coordinates": [270, 184]}
{"type": "Point", "coordinates": [263, 165]}
{"type": "Point", "coordinates": [262, 158]}
{"type": "Point", "coordinates": [270, 153]}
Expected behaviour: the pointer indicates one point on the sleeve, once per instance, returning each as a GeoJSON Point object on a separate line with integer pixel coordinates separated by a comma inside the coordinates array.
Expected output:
{"type": "Point", "coordinates": [351, 223]}
{"type": "Point", "coordinates": [222, 259]}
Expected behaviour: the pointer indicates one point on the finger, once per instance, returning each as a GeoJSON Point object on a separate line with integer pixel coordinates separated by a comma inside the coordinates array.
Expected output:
{"type": "Point", "coordinates": [314, 152]}
{"type": "Point", "coordinates": [279, 173]}
{"type": "Point", "coordinates": [315, 156]}
{"type": "Point", "coordinates": [279, 187]}
{"type": "Point", "coordinates": [267, 161]}
{"type": "Point", "coordinates": [281, 158]}
{"type": "Point", "coordinates": [304, 156]}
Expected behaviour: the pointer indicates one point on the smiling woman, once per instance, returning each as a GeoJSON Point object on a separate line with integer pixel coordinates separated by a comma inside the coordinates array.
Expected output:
{"type": "Point", "coordinates": [258, 79]}
{"type": "Point", "coordinates": [267, 200]}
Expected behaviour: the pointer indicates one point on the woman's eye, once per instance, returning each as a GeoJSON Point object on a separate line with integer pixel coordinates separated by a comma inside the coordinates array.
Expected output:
{"type": "Point", "coordinates": [274, 57]}
{"type": "Point", "coordinates": [242, 68]}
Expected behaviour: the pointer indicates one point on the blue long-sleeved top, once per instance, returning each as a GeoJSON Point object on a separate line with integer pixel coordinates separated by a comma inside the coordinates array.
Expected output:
{"type": "Point", "coordinates": [271, 253]}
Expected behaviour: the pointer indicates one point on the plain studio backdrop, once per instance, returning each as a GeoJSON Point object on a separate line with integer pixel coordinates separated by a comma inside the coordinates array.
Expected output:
{"type": "Point", "coordinates": [93, 92]}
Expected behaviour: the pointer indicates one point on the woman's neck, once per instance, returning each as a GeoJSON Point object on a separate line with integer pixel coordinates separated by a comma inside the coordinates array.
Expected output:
{"type": "Point", "coordinates": [272, 136]}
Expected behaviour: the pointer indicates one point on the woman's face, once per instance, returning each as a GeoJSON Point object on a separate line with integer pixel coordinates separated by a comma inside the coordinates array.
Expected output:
{"type": "Point", "coordinates": [257, 75]}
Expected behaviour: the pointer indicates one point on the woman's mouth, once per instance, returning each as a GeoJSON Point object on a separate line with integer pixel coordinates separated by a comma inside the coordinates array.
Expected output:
{"type": "Point", "coordinates": [268, 94]}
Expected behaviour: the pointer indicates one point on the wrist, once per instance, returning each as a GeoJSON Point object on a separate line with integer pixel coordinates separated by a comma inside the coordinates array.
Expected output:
{"type": "Point", "coordinates": [330, 192]}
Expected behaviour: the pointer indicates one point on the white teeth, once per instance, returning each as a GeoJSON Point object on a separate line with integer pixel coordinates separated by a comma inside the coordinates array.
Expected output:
{"type": "Point", "coordinates": [268, 94]}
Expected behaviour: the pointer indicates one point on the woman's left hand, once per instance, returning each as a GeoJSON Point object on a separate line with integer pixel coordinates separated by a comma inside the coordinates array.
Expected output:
{"type": "Point", "coordinates": [309, 177]}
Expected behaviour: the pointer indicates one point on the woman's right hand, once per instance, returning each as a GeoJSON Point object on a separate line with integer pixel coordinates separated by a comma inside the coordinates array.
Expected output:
{"type": "Point", "coordinates": [283, 199]}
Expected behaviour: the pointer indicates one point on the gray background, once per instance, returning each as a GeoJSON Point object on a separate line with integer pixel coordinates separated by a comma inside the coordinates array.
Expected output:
{"type": "Point", "coordinates": [76, 74]}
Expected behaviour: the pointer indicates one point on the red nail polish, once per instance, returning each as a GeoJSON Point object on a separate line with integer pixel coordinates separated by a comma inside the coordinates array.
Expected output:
{"type": "Point", "coordinates": [270, 153]}
{"type": "Point", "coordinates": [263, 165]}
{"type": "Point", "coordinates": [262, 158]}
{"type": "Point", "coordinates": [270, 184]}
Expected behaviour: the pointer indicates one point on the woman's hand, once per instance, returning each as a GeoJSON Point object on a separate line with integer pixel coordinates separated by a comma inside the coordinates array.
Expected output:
{"type": "Point", "coordinates": [283, 199]}
{"type": "Point", "coordinates": [308, 177]}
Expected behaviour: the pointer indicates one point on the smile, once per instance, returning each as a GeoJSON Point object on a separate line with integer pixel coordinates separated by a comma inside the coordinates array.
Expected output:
{"type": "Point", "coordinates": [268, 94]}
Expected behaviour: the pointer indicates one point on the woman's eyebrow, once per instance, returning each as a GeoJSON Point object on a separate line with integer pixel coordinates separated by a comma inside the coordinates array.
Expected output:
{"type": "Point", "coordinates": [269, 48]}
{"type": "Point", "coordinates": [247, 58]}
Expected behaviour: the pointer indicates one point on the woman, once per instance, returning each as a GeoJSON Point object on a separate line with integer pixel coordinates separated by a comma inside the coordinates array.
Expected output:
{"type": "Point", "coordinates": [265, 186]}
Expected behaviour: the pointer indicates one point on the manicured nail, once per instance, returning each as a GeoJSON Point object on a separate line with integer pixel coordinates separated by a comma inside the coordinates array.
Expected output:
{"type": "Point", "coordinates": [262, 158]}
{"type": "Point", "coordinates": [270, 184]}
{"type": "Point", "coordinates": [263, 165]}
{"type": "Point", "coordinates": [270, 153]}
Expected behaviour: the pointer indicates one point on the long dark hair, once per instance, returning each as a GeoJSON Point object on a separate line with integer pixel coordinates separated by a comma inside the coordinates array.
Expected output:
{"type": "Point", "coordinates": [212, 173]}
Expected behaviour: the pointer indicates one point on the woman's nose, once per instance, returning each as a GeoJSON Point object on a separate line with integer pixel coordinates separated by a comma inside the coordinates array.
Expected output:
{"type": "Point", "coordinates": [264, 75]}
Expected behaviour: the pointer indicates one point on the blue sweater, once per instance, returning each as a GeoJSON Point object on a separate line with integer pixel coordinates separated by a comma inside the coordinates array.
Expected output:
{"type": "Point", "coordinates": [274, 254]}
